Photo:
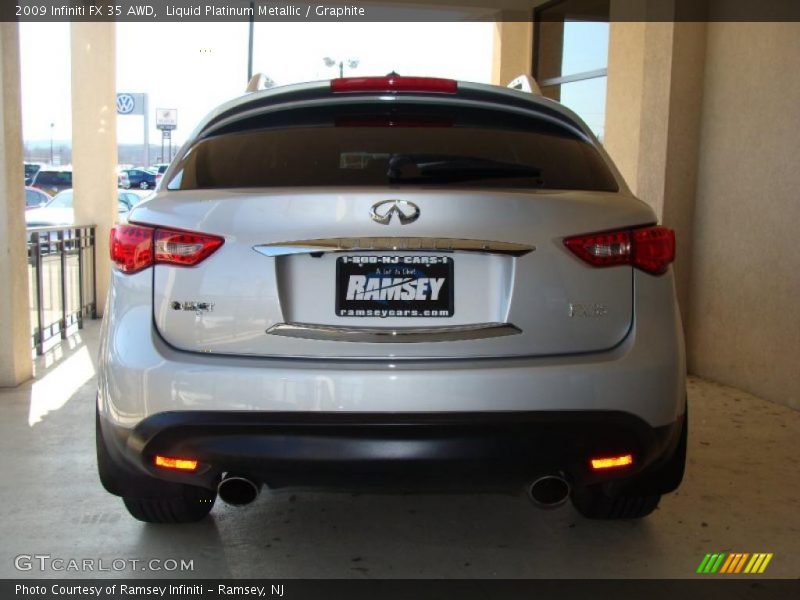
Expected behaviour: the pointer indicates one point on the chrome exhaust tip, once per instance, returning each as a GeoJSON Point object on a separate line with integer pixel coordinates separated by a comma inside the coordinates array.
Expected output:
{"type": "Point", "coordinates": [549, 491]}
{"type": "Point", "coordinates": [237, 491]}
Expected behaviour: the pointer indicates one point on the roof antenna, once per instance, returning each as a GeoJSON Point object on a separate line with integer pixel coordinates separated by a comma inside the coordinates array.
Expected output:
{"type": "Point", "coordinates": [393, 74]}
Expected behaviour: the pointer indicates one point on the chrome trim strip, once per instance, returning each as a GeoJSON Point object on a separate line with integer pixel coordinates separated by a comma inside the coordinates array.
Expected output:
{"type": "Point", "coordinates": [392, 243]}
{"type": "Point", "coordinates": [390, 335]}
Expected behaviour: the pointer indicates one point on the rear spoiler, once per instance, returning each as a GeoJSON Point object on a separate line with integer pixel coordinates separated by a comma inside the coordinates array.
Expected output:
{"type": "Point", "coordinates": [525, 83]}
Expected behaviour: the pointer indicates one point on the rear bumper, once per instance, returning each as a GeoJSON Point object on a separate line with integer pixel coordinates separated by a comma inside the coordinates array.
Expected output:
{"type": "Point", "coordinates": [438, 450]}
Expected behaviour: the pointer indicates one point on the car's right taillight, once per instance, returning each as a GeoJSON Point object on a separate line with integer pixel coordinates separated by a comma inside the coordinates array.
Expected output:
{"type": "Point", "coordinates": [136, 247]}
{"type": "Point", "coordinates": [650, 249]}
{"type": "Point", "coordinates": [131, 247]}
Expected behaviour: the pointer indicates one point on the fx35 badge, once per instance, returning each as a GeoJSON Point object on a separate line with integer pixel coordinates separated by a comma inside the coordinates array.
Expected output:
{"type": "Point", "coordinates": [587, 310]}
{"type": "Point", "coordinates": [196, 307]}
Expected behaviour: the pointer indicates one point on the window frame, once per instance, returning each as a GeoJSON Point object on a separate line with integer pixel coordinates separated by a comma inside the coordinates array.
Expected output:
{"type": "Point", "coordinates": [581, 76]}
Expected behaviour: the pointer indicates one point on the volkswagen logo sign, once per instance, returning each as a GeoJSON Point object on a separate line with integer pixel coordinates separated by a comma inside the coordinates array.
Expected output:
{"type": "Point", "coordinates": [382, 212]}
{"type": "Point", "coordinates": [125, 104]}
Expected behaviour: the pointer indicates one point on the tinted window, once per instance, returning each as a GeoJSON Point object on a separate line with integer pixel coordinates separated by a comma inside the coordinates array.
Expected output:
{"type": "Point", "coordinates": [376, 146]}
{"type": "Point", "coordinates": [54, 178]}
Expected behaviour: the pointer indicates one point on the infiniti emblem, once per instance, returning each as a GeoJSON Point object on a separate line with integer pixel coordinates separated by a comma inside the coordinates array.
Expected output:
{"type": "Point", "coordinates": [382, 212]}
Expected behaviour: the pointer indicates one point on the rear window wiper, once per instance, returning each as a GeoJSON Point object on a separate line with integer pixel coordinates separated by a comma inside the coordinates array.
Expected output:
{"type": "Point", "coordinates": [434, 167]}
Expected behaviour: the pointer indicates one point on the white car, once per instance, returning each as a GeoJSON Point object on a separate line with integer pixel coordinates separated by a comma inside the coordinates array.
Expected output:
{"type": "Point", "coordinates": [401, 280]}
{"type": "Point", "coordinates": [59, 210]}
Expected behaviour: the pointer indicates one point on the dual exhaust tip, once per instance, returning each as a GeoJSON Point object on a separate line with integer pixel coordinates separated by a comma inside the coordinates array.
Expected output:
{"type": "Point", "coordinates": [237, 491]}
{"type": "Point", "coordinates": [548, 491]}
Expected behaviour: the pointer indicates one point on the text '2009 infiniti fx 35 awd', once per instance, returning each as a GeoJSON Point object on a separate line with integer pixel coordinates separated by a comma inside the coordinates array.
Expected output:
{"type": "Point", "coordinates": [399, 280]}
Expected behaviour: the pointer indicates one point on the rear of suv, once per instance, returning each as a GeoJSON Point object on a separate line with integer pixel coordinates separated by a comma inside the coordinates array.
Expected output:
{"type": "Point", "coordinates": [400, 281]}
{"type": "Point", "coordinates": [52, 180]}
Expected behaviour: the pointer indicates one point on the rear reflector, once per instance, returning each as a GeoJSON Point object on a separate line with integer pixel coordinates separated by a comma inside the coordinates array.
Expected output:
{"type": "Point", "coordinates": [136, 247]}
{"type": "Point", "coordinates": [394, 83]}
{"type": "Point", "coordinates": [612, 462]}
{"type": "Point", "coordinates": [650, 249]}
{"type": "Point", "coordinates": [180, 464]}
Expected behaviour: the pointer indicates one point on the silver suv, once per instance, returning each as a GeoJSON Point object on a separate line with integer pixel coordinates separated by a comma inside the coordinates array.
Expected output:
{"type": "Point", "coordinates": [393, 280]}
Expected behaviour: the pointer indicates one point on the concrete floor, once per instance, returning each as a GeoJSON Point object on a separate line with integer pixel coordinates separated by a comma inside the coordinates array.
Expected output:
{"type": "Point", "coordinates": [741, 493]}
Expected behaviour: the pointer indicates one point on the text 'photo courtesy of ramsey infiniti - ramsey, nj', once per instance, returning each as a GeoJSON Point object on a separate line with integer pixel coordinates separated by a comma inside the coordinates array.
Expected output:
{"type": "Point", "coordinates": [397, 282]}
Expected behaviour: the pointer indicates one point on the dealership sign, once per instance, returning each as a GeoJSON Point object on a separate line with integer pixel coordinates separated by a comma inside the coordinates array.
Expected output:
{"type": "Point", "coordinates": [166, 118]}
{"type": "Point", "coordinates": [130, 104]}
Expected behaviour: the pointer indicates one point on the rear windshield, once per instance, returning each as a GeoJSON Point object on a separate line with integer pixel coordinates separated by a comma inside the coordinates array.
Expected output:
{"type": "Point", "coordinates": [373, 145]}
{"type": "Point", "coordinates": [54, 178]}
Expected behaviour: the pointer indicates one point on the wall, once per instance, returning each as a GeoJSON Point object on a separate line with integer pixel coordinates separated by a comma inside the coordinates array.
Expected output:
{"type": "Point", "coordinates": [744, 328]}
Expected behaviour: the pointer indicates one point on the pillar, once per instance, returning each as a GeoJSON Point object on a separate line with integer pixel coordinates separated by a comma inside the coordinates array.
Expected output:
{"type": "Point", "coordinates": [15, 350]}
{"type": "Point", "coordinates": [512, 46]}
{"type": "Point", "coordinates": [94, 138]}
{"type": "Point", "coordinates": [653, 111]}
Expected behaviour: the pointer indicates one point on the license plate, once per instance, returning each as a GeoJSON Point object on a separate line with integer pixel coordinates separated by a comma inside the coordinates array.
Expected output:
{"type": "Point", "coordinates": [394, 286]}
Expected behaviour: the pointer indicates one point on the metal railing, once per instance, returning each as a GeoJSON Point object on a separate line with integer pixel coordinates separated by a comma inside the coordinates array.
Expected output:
{"type": "Point", "coordinates": [62, 278]}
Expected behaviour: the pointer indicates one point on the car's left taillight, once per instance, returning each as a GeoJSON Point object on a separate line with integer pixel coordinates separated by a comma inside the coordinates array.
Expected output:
{"type": "Point", "coordinates": [136, 247]}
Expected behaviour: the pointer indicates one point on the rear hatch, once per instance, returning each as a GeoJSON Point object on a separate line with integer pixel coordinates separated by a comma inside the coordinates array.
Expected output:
{"type": "Point", "coordinates": [415, 230]}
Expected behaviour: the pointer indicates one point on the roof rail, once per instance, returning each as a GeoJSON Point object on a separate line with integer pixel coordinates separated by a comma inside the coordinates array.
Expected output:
{"type": "Point", "coordinates": [259, 82]}
{"type": "Point", "coordinates": [525, 83]}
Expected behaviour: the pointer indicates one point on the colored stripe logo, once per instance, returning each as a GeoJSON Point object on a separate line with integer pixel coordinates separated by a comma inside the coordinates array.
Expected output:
{"type": "Point", "coordinates": [734, 562]}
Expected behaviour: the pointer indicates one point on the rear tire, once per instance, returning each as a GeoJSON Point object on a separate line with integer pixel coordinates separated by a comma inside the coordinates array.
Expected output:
{"type": "Point", "coordinates": [594, 503]}
{"type": "Point", "coordinates": [160, 501]}
{"type": "Point", "coordinates": [192, 506]}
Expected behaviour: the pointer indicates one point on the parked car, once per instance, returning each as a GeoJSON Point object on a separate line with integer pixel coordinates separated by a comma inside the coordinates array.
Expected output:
{"type": "Point", "coordinates": [30, 171]}
{"type": "Point", "coordinates": [59, 211]}
{"type": "Point", "coordinates": [122, 180]}
{"type": "Point", "coordinates": [469, 297]}
{"type": "Point", "coordinates": [159, 170]}
{"type": "Point", "coordinates": [53, 179]}
{"type": "Point", "coordinates": [134, 197]}
{"type": "Point", "coordinates": [139, 178]}
{"type": "Point", "coordinates": [35, 198]}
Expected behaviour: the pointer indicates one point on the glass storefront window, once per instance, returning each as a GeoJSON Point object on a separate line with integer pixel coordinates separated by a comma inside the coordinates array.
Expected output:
{"type": "Point", "coordinates": [571, 56]}
{"type": "Point", "coordinates": [586, 97]}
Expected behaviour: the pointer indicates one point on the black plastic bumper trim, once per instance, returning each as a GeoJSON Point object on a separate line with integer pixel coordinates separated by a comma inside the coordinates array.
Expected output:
{"type": "Point", "coordinates": [355, 449]}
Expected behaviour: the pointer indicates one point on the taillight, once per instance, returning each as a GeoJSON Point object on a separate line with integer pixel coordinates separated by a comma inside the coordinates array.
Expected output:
{"type": "Point", "coordinates": [650, 249]}
{"type": "Point", "coordinates": [394, 83]}
{"type": "Point", "coordinates": [136, 247]}
{"type": "Point", "coordinates": [131, 247]}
